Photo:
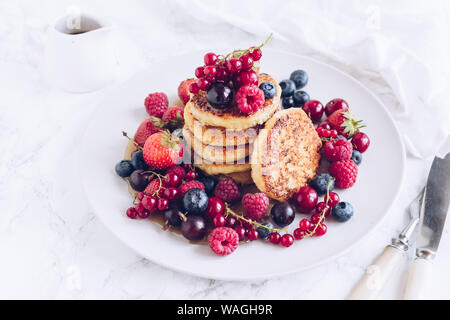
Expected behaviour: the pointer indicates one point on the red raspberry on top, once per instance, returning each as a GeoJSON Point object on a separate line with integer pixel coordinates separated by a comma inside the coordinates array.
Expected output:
{"type": "Point", "coordinates": [250, 99]}
{"type": "Point", "coordinates": [154, 188]}
{"type": "Point", "coordinates": [156, 103]}
{"type": "Point", "coordinates": [338, 149]}
{"type": "Point", "coordinates": [227, 190]}
{"type": "Point", "coordinates": [178, 170]}
{"type": "Point", "coordinates": [148, 127]}
{"type": "Point", "coordinates": [193, 184]}
{"type": "Point", "coordinates": [183, 90]}
{"type": "Point", "coordinates": [223, 241]}
{"type": "Point", "coordinates": [255, 205]}
{"type": "Point", "coordinates": [345, 172]}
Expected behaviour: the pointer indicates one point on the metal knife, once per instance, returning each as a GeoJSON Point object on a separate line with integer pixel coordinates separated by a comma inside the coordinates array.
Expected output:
{"type": "Point", "coordinates": [433, 212]}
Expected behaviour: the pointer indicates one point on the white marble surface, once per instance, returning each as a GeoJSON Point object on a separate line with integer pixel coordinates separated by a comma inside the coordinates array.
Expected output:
{"type": "Point", "coordinates": [52, 245]}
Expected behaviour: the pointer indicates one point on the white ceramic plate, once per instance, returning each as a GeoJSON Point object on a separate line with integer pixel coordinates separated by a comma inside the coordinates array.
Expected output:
{"type": "Point", "coordinates": [381, 174]}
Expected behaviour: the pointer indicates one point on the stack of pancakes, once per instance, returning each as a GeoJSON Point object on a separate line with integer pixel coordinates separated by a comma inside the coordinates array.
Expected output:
{"type": "Point", "coordinates": [221, 140]}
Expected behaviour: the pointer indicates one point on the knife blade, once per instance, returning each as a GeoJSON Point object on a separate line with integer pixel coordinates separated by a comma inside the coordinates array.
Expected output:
{"type": "Point", "coordinates": [433, 213]}
{"type": "Point", "coordinates": [434, 208]}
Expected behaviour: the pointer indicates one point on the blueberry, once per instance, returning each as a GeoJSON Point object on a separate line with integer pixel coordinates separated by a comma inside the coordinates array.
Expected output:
{"type": "Point", "coordinates": [209, 182]}
{"type": "Point", "coordinates": [287, 88]}
{"type": "Point", "coordinates": [195, 201]}
{"type": "Point", "coordinates": [342, 212]}
{"type": "Point", "coordinates": [269, 89]}
{"type": "Point", "coordinates": [300, 98]}
{"type": "Point", "coordinates": [288, 102]}
{"type": "Point", "coordinates": [124, 168]}
{"type": "Point", "coordinates": [300, 78]}
{"type": "Point", "coordinates": [137, 159]}
{"type": "Point", "coordinates": [357, 157]}
{"type": "Point", "coordinates": [320, 183]}
{"type": "Point", "coordinates": [263, 232]}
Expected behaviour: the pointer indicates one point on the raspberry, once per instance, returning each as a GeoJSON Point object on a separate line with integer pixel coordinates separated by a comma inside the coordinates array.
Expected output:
{"type": "Point", "coordinates": [227, 190]}
{"type": "Point", "coordinates": [156, 104]}
{"type": "Point", "coordinates": [250, 99]}
{"type": "Point", "coordinates": [174, 116]}
{"type": "Point", "coordinates": [338, 149]}
{"type": "Point", "coordinates": [153, 187]}
{"type": "Point", "coordinates": [178, 170]}
{"type": "Point", "coordinates": [255, 205]}
{"type": "Point", "coordinates": [223, 241]}
{"type": "Point", "coordinates": [194, 184]}
{"type": "Point", "coordinates": [345, 173]}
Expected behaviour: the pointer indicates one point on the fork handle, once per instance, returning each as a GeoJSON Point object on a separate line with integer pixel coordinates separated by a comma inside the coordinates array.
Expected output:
{"type": "Point", "coordinates": [377, 274]}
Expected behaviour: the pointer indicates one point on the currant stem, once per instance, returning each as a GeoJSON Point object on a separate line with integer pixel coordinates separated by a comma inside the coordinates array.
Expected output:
{"type": "Point", "coordinates": [322, 214]}
{"type": "Point", "coordinates": [241, 52]}
{"type": "Point", "coordinates": [132, 140]}
{"type": "Point", "coordinates": [254, 223]}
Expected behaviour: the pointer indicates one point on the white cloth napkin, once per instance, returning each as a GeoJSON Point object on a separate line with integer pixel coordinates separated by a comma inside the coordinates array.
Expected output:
{"type": "Point", "coordinates": [406, 51]}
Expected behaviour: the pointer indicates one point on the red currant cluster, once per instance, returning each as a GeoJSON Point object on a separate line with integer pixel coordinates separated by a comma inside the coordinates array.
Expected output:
{"type": "Point", "coordinates": [324, 131]}
{"type": "Point", "coordinates": [161, 191]}
{"type": "Point", "coordinates": [240, 66]}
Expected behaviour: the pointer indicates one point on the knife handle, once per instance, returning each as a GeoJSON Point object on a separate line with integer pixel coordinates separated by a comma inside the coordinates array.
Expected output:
{"type": "Point", "coordinates": [377, 274]}
{"type": "Point", "coordinates": [418, 280]}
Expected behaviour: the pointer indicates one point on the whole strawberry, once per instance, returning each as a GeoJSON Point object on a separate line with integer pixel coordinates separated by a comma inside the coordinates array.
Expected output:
{"type": "Point", "coordinates": [183, 90]}
{"type": "Point", "coordinates": [337, 149]}
{"type": "Point", "coordinates": [344, 123]}
{"type": "Point", "coordinates": [148, 127]}
{"type": "Point", "coordinates": [173, 117]}
{"type": "Point", "coordinates": [227, 190]}
{"type": "Point", "coordinates": [156, 104]}
{"type": "Point", "coordinates": [255, 205]}
{"type": "Point", "coordinates": [345, 172]}
{"type": "Point", "coordinates": [163, 150]}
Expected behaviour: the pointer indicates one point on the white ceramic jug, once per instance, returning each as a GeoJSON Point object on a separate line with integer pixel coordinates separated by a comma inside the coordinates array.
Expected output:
{"type": "Point", "coordinates": [80, 54]}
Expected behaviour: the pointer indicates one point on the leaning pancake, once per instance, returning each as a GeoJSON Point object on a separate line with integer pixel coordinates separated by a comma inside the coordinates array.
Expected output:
{"type": "Point", "coordinates": [286, 154]}
{"type": "Point", "coordinates": [218, 136]}
{"type": "Point", "coordinates": [212, 168]}
{"type": "Point", "coordinates": [216, 154]}
{"type": "Point", "coordinates": [233, 118]}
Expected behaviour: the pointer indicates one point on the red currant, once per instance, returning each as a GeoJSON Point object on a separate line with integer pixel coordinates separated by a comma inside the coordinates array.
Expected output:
{"type": "Point", "coordinates": [200, 72]}
{"type": "Point", "coordinates": [171, 180]}
{"type": "Point", "coordinates": [222, 74]}
{"type": "Point", "coordinates": [320, 207]}
{"type": "Point", "coordinates": [240, 230]}
{"type": "Point", "coordinates": [140, 195]}
{"type": "Point", "coordinates": [247, 78]}
{"type": "Point", "coordinates": [334, 105]}
{"type": "Point", "coordinates": [304, 225]}
{"type": "Point", "coordinates": [248, 224]}
{"type": "Point", "coordinates": [274, 238]}
{"type": "Point", "coordinates": [210, 59]}
{"type": "Point", "coordinates": [361, 141]}
{"type": "Point", "coordinates": [316, 217]}
{"type": "Point", "coordinates": [203, 84]}
{"type": "Point", "coordinates": [253, 235]}
{"type": "Point", "coordinates": [231, 221]}
{"type": "Point", "coordinates": [170, 194]}
{"type": "Point", "coordinates": [312, 226]}
{"type": "Point", "coordinates": [306, 199]}
{"type": "Point", "coordinates": [333, 133]}
{"type": "Point", "coordinates": [321, 230]}
{"type": "Point", "coordinates": [131, 213]}
{"type": "Point", "coordinates": [287, 240]}
{"type": "Point", "coordinates": [314, 109]}
{"type": "Point", "coordinates": [324, 125]}
{"type": "Point", "coordinates": [256, 54]}
{"type": "Point", "coordinates": [299, 234]}
{"type": "Point", "coordinates": [234, 66]}
{"type": "Point", "coordinates": [215, 207]}
{"type": "Point", "coordinates": [219, 221]}
{"type": "Point", "coordinates": [143, 214]}
{"type": "Point", "coordinates": [149, 203]}
{"type": "Point", "coordinates": [331, 199]}
{"type": "Point", "coordinates": [210, 73]}
{"type": "Point", "coordinates": [163, 204]}
{"type": "Point", "coordinates": [193, 88]}
{"type": "Point", "coordinates": [191, 175]}
{"type": "Point", "coordinates": [247, 62]}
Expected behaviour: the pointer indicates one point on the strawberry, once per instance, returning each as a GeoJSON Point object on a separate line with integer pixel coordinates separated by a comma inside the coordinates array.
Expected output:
{"type": "Point", "coordinates": [148, 127]}
{"type": "Point", "coordinates": [173, 117]}
{"type": "Point", "coordinates": [183, 90]}
{"type": "Point", "coordinates": [163, 150]}
{"type": "Point", "coordinates": [344, 123]}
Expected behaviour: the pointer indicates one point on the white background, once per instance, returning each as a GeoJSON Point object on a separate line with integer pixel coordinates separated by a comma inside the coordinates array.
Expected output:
{"type": "Point", "coordinates": [52, 245]}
